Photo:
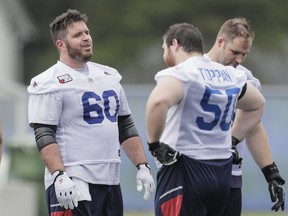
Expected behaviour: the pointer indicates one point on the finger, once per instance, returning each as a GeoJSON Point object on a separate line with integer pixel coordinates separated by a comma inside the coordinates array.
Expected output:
{"type": "Point", "coordinates": [75, 202]}
{"type": "Point", "coordinates": [147, 193]}
{"type": "Point", "coordinates": [276, 207]}
{"type": "Point", "coordinates": [272, 193]}
{"type": "Point", "coordinates": [70, 204]}
{"type": "Point", "coordinates": [139, 184]}
{"type": "Point", "coordinates": [60, 200]}
{"type": "Point", "coordinates": [65, 205]}
{"type": "Point", "coordinates": [75, 198]}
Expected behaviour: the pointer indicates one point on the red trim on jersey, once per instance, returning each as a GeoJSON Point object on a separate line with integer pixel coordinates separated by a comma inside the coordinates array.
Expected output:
{"type": "Point", "coordinates": [62, 213]}
{"type": "Point", "coordinates": [172, 207]}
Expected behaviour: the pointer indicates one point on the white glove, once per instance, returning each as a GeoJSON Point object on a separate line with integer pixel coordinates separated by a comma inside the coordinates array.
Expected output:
{"type": "Point", "coordinates": [66, 192]}
{"type": "Point", "coordinates": [145, 178]}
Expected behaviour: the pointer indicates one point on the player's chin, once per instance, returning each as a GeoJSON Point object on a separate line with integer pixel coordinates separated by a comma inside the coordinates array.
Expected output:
{"type": "Point", "coordinates": [87, 55]}
{"type": "Point", "coordinates": [234, 65]}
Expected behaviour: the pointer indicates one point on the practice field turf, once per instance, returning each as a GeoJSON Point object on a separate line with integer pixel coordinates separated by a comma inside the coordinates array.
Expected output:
{"type": "Point", "coordinates": [243, 214]}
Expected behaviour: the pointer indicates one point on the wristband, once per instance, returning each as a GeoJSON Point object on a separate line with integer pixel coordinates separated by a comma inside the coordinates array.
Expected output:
{"type": "Point", "coordinates": [153, 146]}
{"type": "Point", "coordinates": [271, 172]}
{"type": "Point", "coordinates": [144, 164]}
{"type": "Point", "coordinates": [235, 141]}
{"type": "Point", "coordinates": [57, 173]}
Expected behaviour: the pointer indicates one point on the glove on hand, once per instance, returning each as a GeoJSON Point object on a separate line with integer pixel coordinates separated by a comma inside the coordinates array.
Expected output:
{"type": "Point", "coordinates": [145, 178]}
{"type": "Point", "coordinates": [164, 153]}
{"type": "Point", "coordinates": [275, 186]}
{"type": "Point", "coordinates": [236, 157]}
{"type": "Point", "coordinates": [66, 192]}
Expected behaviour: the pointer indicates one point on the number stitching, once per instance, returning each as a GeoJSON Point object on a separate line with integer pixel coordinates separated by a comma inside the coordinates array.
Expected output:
{"type": "Point", "coordinates": [93, 113]}
{"type": "Point", "coordinates": [225, 123]}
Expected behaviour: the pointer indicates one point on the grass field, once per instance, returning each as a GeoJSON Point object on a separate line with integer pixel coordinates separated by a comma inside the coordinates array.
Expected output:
{"type": "Point", "coordinates": [243, 214]}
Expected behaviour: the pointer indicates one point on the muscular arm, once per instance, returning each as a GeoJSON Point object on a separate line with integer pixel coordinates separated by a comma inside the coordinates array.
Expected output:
{"type": "Point", "coordinates": [130, 140]}
{"type": "Point", "coordinates": [160, 100]}
{"type": "Point", "coordinates": [49, 149]}
{"type": "Point", "coordinates": [51, 157]}
{"type": "Point", "coordinates": [258, 145]}
{"type": "Point", "coordinates": [249, 112]}
{"type": "Point", "coordinates": [134, 150]}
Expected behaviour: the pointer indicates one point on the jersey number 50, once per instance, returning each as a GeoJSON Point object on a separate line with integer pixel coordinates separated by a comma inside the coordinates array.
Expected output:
{"type": "Point", "coordinates": [225, 121]}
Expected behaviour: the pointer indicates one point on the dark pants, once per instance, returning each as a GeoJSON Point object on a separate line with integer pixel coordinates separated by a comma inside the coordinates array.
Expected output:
{"type": "Point", "coordinates": [234, 203]}
{"type": "Point", "coordinates": [106, 201]}
{"type": "Point", "coordinates": [193, 188]}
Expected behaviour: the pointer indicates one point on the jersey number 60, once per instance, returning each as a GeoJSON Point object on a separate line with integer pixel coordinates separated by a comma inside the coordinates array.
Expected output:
{"type": "Point", "coordinates": [93, 113]}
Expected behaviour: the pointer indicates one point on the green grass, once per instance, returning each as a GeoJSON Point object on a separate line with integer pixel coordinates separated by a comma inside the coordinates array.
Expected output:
{"type": "Point", "coordinates": [243, 214]}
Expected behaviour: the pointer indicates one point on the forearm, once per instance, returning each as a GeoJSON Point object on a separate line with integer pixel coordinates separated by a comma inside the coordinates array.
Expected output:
{"type": "Point", "coordinates": [134, 150]}
{"type": "Point", "coordinates": [155, 121]}
{"type": "Point", "coordinates": [245, 122]}
{"type": "Point", "coordinates": [51, 157]}
{"type": "Point", "coordinates": [258, 145]}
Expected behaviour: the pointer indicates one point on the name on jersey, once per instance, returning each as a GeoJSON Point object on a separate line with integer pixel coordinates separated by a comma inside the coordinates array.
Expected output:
{"type": "Point", "coordinates": [215, 75]}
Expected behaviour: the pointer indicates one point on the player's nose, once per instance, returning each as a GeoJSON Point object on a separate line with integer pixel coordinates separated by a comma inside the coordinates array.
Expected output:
{"type": "Point", "coordinates": [239, 59]}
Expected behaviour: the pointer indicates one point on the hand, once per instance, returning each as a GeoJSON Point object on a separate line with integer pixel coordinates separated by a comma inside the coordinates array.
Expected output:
{"type": "Point", "coordinates": [236, 157]}
{"type": "Point", "coordinates": [164, 153]}
{"type": "Point", "coordinates": [275, 186]}
{"type": "Point", "coordinates": [277, 193]}
{"type": "Point", "coordinates": [145, 178]}
{"type": "Point", "coordinates": [66, 192]}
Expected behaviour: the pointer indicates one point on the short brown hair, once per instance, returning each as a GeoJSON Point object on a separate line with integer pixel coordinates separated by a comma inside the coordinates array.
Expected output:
{"type": "Point", "coordinates": [187, 35]}
{"type": "Point", "coordinates": [58, 27]}
{"type": "Point", "coordinates": [236, 27]}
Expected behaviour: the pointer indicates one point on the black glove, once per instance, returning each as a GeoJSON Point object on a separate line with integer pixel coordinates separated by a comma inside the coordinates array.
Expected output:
{"type": "Point", "coordinates": [164, 153]}
{"type": "Point", "coordinates": [236, 157]}
{"type": "Point", "coordinates": [275, 186]}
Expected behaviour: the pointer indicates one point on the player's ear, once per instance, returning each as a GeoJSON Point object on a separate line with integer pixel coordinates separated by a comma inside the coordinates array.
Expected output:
{"type": "Point", "coordinates": [175, 44]}
{"type": "Point", "coordinates": [220, 41]}
{"type": "Point", "coordinates": [59, 44]}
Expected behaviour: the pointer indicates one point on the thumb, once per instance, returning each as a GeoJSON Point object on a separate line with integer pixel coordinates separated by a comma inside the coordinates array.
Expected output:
{"type": "Point", "coordinates": [139, 184]}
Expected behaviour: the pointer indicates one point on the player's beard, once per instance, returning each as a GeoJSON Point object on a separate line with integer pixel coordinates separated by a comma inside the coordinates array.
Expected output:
{"type": "Point", "coordinates": [77, 54]}
{"type": "Point", "coordinates": [169, 58]}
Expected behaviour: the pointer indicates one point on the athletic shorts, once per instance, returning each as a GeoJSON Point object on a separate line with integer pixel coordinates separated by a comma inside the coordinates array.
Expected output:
{"type": "Point", "coordinates": [193, 187]}
{"type": "Point", "coordinates": [106, 201]}
{"type": "Point", "coordinates": [234, 203]}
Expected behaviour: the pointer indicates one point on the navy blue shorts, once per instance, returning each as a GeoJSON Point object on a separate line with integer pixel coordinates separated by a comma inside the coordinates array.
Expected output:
{"type": "Point", "coordinates": [234, 203]}
{"type": "Point", "coordinates": [193, 187]}
{"type": "Point", "coordinates": [106, 201]}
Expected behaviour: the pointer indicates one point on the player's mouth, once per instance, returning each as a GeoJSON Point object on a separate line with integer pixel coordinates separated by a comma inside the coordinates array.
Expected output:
{"type": "Point", "coordinates": [234, 64]}
{"type": "Point", "coordinates": [87, 46]}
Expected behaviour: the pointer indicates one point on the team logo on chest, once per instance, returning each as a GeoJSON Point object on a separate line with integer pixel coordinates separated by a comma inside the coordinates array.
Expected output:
{"type": "Point", "coordinates": [64, 78]}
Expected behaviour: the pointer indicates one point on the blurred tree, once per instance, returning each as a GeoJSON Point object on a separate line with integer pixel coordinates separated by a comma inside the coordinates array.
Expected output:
{"type": "Point", "coordinates": [127, 34]}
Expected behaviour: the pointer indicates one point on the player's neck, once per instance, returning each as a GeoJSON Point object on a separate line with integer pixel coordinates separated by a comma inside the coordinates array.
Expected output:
{"type": "Point", "coordinates": [74, 64]}
{"type": "Point", "coordinates": [186, 56]}
{"type": "Point", "coordinates": [212, 54]}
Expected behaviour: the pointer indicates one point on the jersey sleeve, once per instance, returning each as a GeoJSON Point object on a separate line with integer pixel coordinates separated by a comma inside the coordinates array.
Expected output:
{"type": "Point", "coordinates": [44, 109]}
{"type": "Point", "coordinates": [177, 72]}
{"type": "Point", "coordinates": [124, 106]}
{"type": "Point", "coordinates": [250, 77]}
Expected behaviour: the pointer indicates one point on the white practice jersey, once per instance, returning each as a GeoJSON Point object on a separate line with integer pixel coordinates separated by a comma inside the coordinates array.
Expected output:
{"type": "Point", "coordinates": [236, 169]}
{"type": "Point", "coordinates": [85, 108]}
{"type": "Point", "coordinates": [199, 126]}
